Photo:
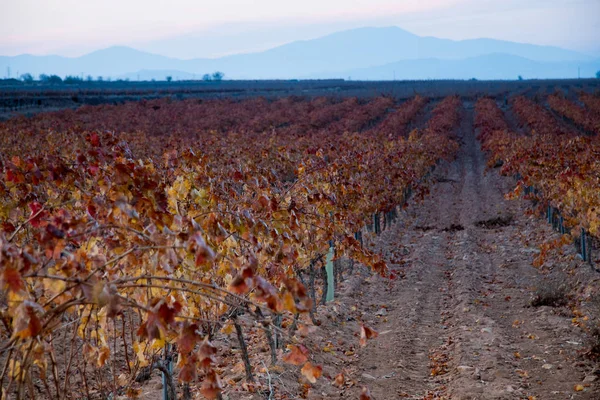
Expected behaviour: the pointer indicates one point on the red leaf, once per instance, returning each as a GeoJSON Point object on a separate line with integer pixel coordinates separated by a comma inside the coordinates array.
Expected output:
{"type": "Point", "coordinates": [240, 285]}
{"type": "Point", "coordinates": [8, 227]}
{"type": "Point", "coordinates": [91, 209]}
{"type": "Point", "coordinates": [187, 338]}
{"type": "Point", "coordinates": [11, 279]}
{"type": "Point", "coordinates": [94, 139]}
{"type": "Point", "coordinates": [36, 208]}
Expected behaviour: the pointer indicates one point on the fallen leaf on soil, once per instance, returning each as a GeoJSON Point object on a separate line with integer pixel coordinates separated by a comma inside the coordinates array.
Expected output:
{"type": "Point", "coordinates": [523, 373]}
{"type": "Point", "coordinates": [312, 372]}
{"type": "Point", "coordinates": [578, 388]}
{"type": "Point", "coordinates": [339, 380]}
{"type": "Point", "coordinates": [365, 334]}
{"type": "Point", "coordinates": [365, 394]}
{"type": "Point", "coordinates": [306, 330]}
{"type": "Point", "coordinates": [297, 355]}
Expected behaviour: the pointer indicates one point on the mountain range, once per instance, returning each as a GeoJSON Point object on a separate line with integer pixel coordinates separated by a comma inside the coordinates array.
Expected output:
{"type": "Point", "coordinates": [364, 53]}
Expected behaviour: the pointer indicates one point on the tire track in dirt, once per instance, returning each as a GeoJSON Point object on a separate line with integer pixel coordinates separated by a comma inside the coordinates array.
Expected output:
{"type": "Point", "coordinates": [465, 297]}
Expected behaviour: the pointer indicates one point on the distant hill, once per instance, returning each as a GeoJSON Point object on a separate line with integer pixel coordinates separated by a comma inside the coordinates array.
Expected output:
{"type": "Point", "coordinates": [490, 67]}
{"type": "Point", "coordinates": [336, 55]}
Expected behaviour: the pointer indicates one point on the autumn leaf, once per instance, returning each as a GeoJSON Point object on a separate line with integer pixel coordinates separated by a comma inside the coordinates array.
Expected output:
{"type": "Point", "coordinates": [288, 303]}
{"type": "Point", "coordinates": [211, 386]}
{"type": "Point", "coordinates": [188, 337]}
{"type": "Point", "coordinates": [188, 370]}
{"type": "Point", "coordinates": [26, 323]}
{"type": "Point", "coordinates": [296, 356]}
{"type": "Point", "coordinates": [339, 380]}
{"type": "Point", "coordinates": [311, 372]}
{"type": "Point", "coordinates": [365, 394]}
{"type": "Point", "coordinates": [103, 355]}
{"type": "Point", "coordinates": [11, 280]}
{"type": "Point", "coordinates": [366, 333]}
{"type": "Point", "coordinates": [240, 285]}
{"type": "Point", "coordinates": [36, 213]}
{"type": "Point", "coordinates": [197, 245]}
{"type": "Point", "coordinates": [206, 354]}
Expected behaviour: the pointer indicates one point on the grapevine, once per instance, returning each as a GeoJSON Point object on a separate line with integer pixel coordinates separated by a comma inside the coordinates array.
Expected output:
{"type": "Point", "coordinates": [564, 169]}
{"type": "Point", "coordinates": [152, 225]}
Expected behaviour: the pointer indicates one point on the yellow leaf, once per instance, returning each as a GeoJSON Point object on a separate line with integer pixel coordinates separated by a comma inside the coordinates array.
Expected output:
{"type": "Point", "coordinates": [227, 329]}
{"type": "Point", "coordinates": [139, 351]}
{"type": "Point", "coordinates": [14, 368]}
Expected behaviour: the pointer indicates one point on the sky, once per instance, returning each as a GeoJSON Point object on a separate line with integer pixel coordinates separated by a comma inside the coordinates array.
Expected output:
{"type": "Point", "coordinates": [196, 28]}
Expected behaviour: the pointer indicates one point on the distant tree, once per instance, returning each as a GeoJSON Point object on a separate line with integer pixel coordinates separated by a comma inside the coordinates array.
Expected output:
{"type": "Point", "coordinates": [99, 79]}
{"type": "Point", "coordinates": [217, 76]}
{"type": "Point", "coordinates": [206, 77]}
{"type": "Point", "coordinates": [89, 78]}
{"type": "Point", "coordinates": [52, 79]}
{"type": "Point", "coordinates": [520, 77]}
{"type": "Point", "coordinates": [72, 79]}
{"type": "Point", "coordinates": [169, 78]}
{"type": "Point", "coordinates": [598, 75]}
{"type": "Point", "coordinates": [27, 78]}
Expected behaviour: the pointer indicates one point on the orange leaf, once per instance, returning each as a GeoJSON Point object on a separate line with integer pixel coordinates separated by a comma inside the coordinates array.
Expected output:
{"type": "Point", "coordinates": [288, 303]}
{"type": "Point", "coordinates": [365, 334]}
{"type": "Point", "coordinates": [103, 355]}
{"type": "Point", "coordinates": [312, 372]}
{"type": "Point", "coordinates": [26, 323]}
{"type": "Point", "coordinates": [211, 387]}
{"type": "Point", "coordinates": [339, 380]}
{"type": "Point", "coordinates": [297, 355]}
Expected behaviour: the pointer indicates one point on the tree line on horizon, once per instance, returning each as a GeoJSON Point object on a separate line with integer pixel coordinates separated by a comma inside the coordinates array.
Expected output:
{"type": "Point", "coordinates": [216, 76]}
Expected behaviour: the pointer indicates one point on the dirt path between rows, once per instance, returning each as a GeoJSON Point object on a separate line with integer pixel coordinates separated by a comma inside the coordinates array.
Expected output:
{"type": "Point", "coordinates": [459, 324]}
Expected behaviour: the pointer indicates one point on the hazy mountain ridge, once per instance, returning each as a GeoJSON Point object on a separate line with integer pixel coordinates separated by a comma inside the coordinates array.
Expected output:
{"type": "Point", "coordinates": [358, 52]}
{"type": "Point", "coordinates": [495, 66]}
